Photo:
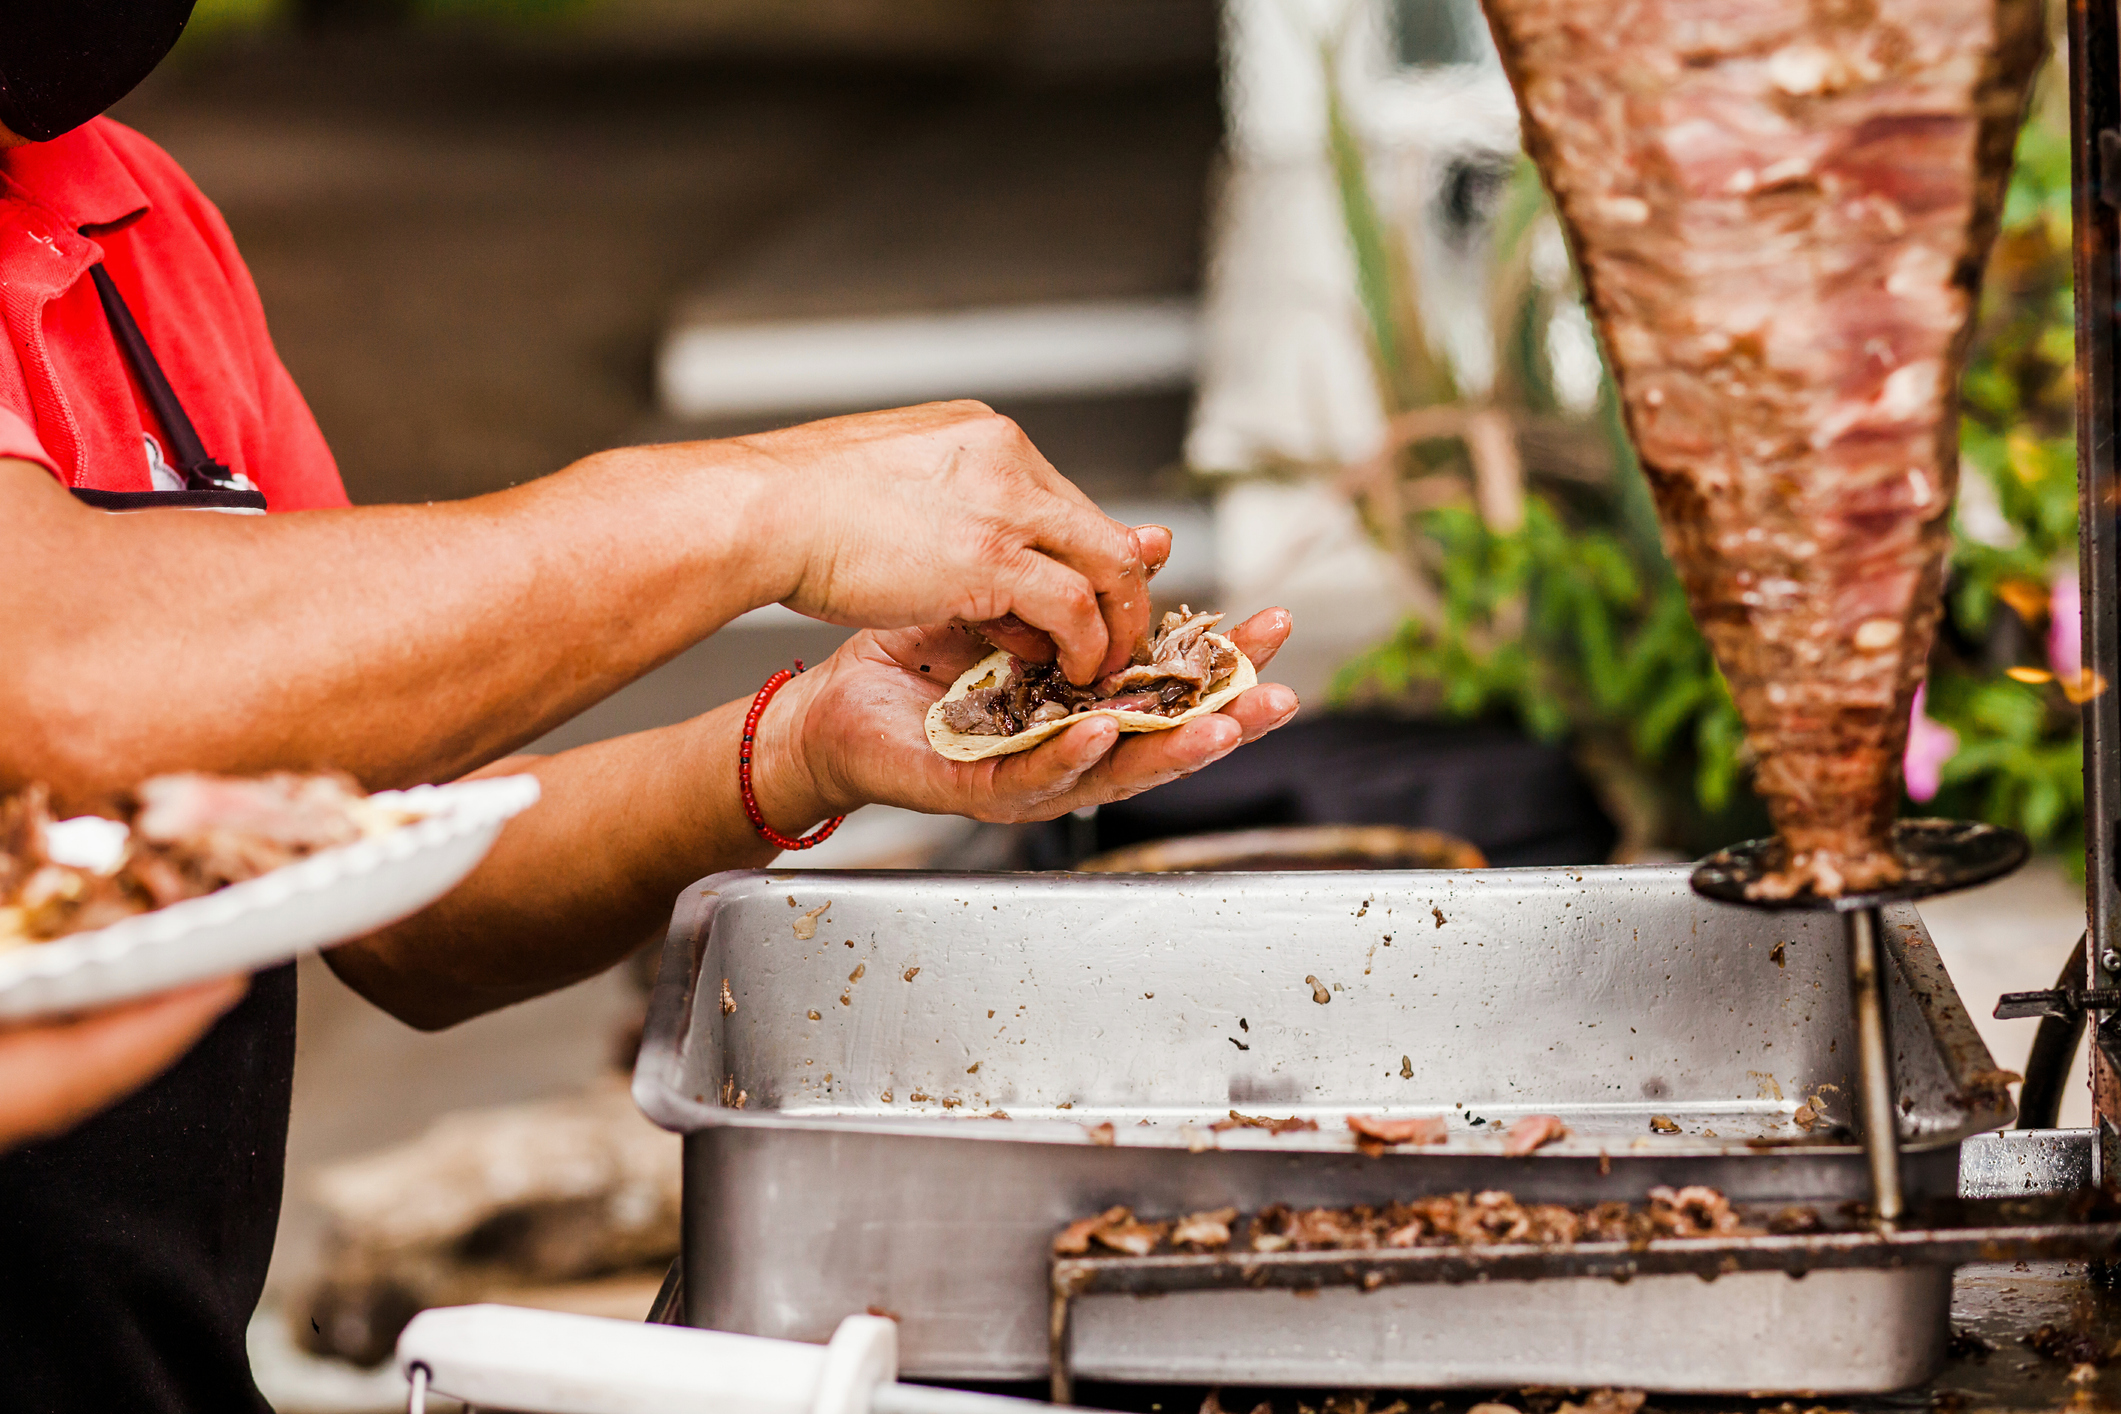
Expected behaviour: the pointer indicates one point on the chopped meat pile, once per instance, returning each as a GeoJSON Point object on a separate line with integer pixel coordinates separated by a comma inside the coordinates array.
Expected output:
{"type": "Point", "coordinates": [183, 836]}
{"type": "Point", "coordinates": [1781, 212]}
{"type": "Point", "coordinates": [1456, 1219]}
{"type": "Point", "coordinates": [1446, 1220]}
{"type": "Point", "coordinates": [1170, 674]}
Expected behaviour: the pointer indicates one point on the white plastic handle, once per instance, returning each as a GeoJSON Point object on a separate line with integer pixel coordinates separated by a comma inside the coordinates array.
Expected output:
{"type": "Point", "coordinates": [508, 1357]}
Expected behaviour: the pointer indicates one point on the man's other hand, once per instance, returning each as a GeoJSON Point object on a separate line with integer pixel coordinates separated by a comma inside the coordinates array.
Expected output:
{"type": "Point", "coordinates": [54, 1074]}
{"type": "Point", "coordinates": [853, 730]}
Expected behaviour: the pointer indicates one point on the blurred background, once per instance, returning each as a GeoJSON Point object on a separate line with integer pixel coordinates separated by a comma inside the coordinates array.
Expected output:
{"type": "Point", "coordinates": [1270, 272]}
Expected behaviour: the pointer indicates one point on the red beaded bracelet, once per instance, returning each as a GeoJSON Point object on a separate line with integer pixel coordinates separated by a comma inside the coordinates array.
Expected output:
{"type": "Point", "coordinates": [743, 771]}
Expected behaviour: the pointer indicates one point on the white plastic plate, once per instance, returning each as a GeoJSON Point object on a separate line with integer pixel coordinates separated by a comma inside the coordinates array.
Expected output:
{"type": "Point", "coordinates": [331, 897]}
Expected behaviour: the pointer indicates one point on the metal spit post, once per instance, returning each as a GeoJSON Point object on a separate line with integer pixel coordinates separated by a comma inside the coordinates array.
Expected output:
{"type": "Point", "coordinates": [1937, 856]}
{"type": "Point", "coordinates": [1874, 1065]}
{"type": "Point", "coordinates": [2095, 133]}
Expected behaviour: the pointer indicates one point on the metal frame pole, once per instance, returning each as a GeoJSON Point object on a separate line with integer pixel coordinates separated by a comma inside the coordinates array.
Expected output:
{"type": "Point", "coordinates": [2095, 133]}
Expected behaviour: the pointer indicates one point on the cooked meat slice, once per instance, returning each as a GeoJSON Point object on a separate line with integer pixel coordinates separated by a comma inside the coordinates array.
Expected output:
{"type": "Point", "coordinates": [1279, 1228]}
{"type": "Point", "coordinates": [1329, 1229]}
{"type": "Point", "coordinates": [23, 817]}
{"type": "Point", "coordinates": [1208, 1231]}
{"type": "Point", "coordinates": [1615, 1222]}
{"type": "Point", "coordinates": [1533, 1132]}
{"type": "Point", "coordinates": [1692, 1211]}
{"type": "Point", "coordinates": [1375, 1131]}
{"type": "Point", "coordinates": [1493, 1217]}
{"type": "Point", "coordinates": [1405, 1234]}
{"type": "Point", "coordinates": [1290, 1124]}
{"type": "Point", "coordinates": [1781, 212]}
{"type": "Point", "coordinates": [1270, 1229]}
{"type": "Point", "coordinates": [1134, 1238]}
{"type": "Point", "coordinates": [224, 829]}
{"type": "Point", "coordinates": [1553, 1225]}
{"type": "Point", "coordinates": [1135, 702]}
{"type": "Point", "coordinates": [1606, 1401]}
{"type": "Point", "coordinates": [1182, 652]}
{"type": "Point", "coordinates": [1074, 1239]}
{"type": "Point", "coordinates": [984, 711]}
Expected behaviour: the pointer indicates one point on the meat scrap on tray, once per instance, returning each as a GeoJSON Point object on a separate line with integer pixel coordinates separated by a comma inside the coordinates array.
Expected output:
{"type": "Point", "coordinates": [176, 837]}
{"type": "Point", "coordinates": [1781, 213]}
{"type": "Point", "coordinates": [1003, 704]}
{"type": "Point", "coordinates": [1374, 1133]}
{"type": "Point", "coordinates": [1446, 1220]}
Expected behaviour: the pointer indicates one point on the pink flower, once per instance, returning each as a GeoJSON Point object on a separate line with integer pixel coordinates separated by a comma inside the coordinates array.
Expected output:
{"type": "Point", "coordinates": [1929, 745]}
{"type": "Point", "coordinates": [2065, 628]}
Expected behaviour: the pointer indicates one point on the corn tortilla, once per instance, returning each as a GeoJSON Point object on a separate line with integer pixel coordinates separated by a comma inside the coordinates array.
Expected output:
{"type": "Point", "coordinates": [963, 746]}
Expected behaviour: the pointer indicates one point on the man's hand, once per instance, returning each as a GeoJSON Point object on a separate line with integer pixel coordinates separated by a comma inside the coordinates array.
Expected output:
{"type": "Point", "coordinates": [54, 1074]}
{"type": "Point", "coordinates": [855, 732]}
{"type": "Point", "coordinates": [947, 512]}
{"type": "Point", "coordinates": [626, 823]}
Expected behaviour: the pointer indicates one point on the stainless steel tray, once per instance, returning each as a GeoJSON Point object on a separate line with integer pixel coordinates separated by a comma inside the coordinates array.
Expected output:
{"type": "Point", "coordinates": [869, 1039]}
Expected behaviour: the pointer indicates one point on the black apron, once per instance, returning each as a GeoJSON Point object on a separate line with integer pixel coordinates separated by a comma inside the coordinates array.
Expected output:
{"type": "Point", "coordinates": [133, 1248]}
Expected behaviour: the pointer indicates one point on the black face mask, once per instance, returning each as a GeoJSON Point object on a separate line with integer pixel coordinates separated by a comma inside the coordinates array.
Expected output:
{"type": "Point", "coordinates": [64, 61]}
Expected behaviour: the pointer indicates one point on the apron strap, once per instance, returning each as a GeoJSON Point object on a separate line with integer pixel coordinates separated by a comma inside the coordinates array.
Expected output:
{"type": "Point", "coordinates": [209, 485]}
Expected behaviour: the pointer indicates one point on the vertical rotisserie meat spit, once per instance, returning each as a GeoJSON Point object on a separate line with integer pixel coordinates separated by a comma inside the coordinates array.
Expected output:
{"type": "Point", "coordinates": [1781, 209]}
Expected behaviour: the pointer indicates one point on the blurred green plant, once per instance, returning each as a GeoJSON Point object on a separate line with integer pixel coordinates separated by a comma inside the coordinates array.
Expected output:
{"type": "Point", "coordinates": [1568, 620]}
{"type": "Point", "coordinates": [1993, 680]}
{"type": "Point", "coordinates": [1556, 608]}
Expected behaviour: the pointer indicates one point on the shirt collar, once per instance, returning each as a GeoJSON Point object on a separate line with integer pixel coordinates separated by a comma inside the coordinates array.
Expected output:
{"type": "Point", "coordinates": [80, 177]}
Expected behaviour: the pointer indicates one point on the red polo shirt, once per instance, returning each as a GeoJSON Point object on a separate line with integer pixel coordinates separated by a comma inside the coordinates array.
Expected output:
{"type": "Point", "coordinates": [133, 1248]}
{"type": "Point", "coordinates": [67, 399]}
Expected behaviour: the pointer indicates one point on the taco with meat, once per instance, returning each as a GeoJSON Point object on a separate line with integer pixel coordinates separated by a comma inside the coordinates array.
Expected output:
{"type": "Point", "coordinates": [1003, 704]}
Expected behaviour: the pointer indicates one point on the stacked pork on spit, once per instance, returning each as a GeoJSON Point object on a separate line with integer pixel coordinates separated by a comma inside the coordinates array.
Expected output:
{"type": "Point", "coordinates": [1781, 209]}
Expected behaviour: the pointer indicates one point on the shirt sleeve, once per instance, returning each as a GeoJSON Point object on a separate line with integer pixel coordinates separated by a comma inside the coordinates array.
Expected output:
{"type": "Point", "coordinates": [288, 455]}
{"type": "Point", "coordinates": [306, 475]}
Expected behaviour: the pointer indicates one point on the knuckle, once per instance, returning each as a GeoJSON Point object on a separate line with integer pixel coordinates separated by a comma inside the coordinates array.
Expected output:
{"type": "Point", "coordinates": [1008, 441]}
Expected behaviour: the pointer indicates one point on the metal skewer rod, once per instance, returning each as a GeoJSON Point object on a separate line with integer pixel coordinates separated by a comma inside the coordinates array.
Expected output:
{"type": "Point", "coordinates": [1877, 1094]}
{"type": "Point", "coordinates": [1936, 857]}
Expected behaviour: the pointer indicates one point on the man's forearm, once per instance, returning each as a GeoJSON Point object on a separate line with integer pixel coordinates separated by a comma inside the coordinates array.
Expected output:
{"type": "Point", "coordinates": [401, 643]}
{"type": "Point", "coordinates": [586, 875]}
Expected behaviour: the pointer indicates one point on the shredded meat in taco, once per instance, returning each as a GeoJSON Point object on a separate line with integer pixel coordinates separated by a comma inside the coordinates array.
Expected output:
{"type": "Point", "coordinates": [1170, 673]}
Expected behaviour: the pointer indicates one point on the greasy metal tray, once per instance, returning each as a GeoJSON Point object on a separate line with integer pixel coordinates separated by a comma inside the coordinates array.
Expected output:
{"type": "Point", "coordinates": [870, 1025]}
